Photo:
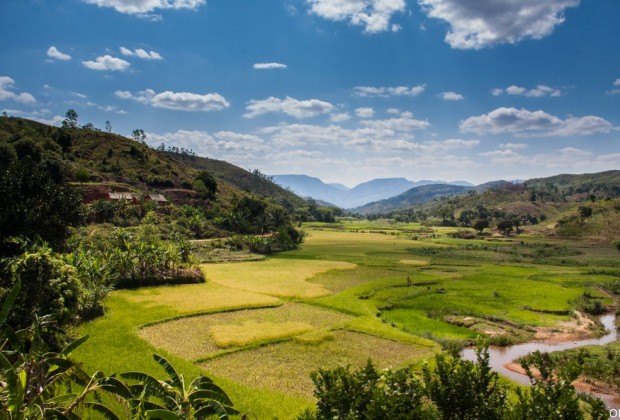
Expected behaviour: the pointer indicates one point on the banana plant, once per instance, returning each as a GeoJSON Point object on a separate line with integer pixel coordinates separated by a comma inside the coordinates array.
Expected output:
{"type": "Point", "coordinates": [37, 383]}
{"type": "Point", "coordinates": [173, 399]}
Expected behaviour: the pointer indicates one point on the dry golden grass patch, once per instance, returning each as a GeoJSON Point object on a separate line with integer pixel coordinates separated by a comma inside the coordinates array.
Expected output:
{"type": "Point", "coordinates": [254, 332]}
{"type": "Point", "coordinates": [286, 367]}
{"type": "Point", "coordinates": [191, 338]}
{"type": "Point", "coordinates": [277, 277]}
{"type": "Point", "coordinates": [416, 263]}
{"type": "Point", "coordinates": [190, 298]}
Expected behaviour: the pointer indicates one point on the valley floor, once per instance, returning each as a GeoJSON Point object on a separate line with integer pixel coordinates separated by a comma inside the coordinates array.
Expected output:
{"type": "Point", "coordinates": [393, 293]}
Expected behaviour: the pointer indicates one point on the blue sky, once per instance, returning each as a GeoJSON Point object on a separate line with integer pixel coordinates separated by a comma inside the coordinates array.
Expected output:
{"type": "Point", "coordinates": [345, 90]}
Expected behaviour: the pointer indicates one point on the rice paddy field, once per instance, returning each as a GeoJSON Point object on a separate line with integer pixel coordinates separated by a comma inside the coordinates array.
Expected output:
{"type": "Point", "coordinates": [355, 290]}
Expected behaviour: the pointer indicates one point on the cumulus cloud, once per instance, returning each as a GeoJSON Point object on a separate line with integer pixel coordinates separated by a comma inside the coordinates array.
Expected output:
{"type": "Point", "coordinates": [451, 96]}
{"type": "Point", "coordinates": [209, 144]}
{"type": "Point", "coordinates": [178, 101]}
{"type": "Point", "coordinates": [55, 53]}
{"type": "Point", "coordinates": [107, 63]}
{"type": "Point", "coordinates": [144, 7]}
{"type": "Point", "coordinates": [476, 24]}
{"type": "Point", "coordinates": [373, 15]}
{"type": "Point", "coordinates": [343, 116]}
{"type": "Point", "coordinates": [269, 66]}
{"type": "Point", "coordinates": [289, 106]}
{"type": "Point", "coordinates": [371, 91]}
{"type": "Point", "coordinates": [379, 135]}
{"type": "Point", "coordinates": [405, 123]}
{"type": "Point", "coordinates": [140, 53]}
{"type": "Point", "coordinates": [7, 92]}
{"type": "Point", "coordinates": [524, 123]}
{"type": "Point", "coordinates": [537, 92]}
{"type": "Point", "coordinates": [364, 112]}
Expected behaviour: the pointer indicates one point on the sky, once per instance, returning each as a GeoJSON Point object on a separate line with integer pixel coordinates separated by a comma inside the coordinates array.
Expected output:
{"type": "Point", "coordinates": [343, 90]}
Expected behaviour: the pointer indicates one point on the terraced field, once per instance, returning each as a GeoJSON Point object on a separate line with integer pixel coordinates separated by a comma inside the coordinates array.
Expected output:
{"type": "Point", "coordinates": [389, 292]}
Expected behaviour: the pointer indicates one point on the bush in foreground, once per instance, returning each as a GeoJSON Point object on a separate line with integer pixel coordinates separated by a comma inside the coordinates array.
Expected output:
{"type": "Point", "coordinates": [453, 389]}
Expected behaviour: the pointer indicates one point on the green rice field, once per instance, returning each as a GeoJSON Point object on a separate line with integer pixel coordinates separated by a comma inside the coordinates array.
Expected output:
{"type": "Point", "coordinates": [355, 290]}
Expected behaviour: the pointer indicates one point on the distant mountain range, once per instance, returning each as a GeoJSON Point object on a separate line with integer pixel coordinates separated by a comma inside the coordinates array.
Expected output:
{"type": "Point", "coordinates": [423, 194]}
{"type": "Point", "coordinates": [367, 192]}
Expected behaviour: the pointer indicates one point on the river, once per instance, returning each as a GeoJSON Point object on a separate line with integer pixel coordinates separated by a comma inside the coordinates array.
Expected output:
{"type": "Point", "coordinates": [501, 356]}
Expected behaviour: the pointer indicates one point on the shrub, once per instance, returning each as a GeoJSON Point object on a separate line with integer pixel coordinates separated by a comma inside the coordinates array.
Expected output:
{"type": "Point", "coordinates": [454, 389]}
{"type": "Point", "coordinates": [367, 394]}
{"type": "Point", "coordinates": [49, 287]}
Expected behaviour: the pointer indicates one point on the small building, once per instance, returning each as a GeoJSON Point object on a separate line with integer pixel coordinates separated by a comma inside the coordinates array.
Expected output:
{"type": "Point", "coordinates": [116, 196]}
{"type": "Point", "coordinates": [158, 198]}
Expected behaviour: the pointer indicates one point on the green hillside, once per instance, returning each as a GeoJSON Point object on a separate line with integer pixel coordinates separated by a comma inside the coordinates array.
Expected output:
{"type": "Point", "coordinates": [580, 206]}
{"type": "Point", "coordinates": [94, 157]}
{"type": "Point", "coordinates": [417, 195]}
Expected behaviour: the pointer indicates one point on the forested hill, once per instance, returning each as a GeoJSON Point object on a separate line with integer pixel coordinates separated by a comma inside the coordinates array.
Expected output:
{"type": "Point", "coordinates": [527, 197]}
{"type": "Point", "coordinates": [90, 156]}
{"type": "Point", "coordinates": [586, 205]}
{"type": "Point", "coordinates": [417, 195]}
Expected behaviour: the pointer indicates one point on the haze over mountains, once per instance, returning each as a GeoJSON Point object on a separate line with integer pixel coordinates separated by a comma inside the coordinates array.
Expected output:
{"type": "Point", "coordinates": [364, 193]}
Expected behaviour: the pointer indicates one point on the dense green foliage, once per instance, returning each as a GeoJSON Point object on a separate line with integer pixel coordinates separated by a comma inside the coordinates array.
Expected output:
{"type": "Point", "coordinates": [35, 205]}
{"type": "Point", "coordinates": [38, 383]}
{"type": "Point", "coordinates": [134, 258]}
{"type": "Point", "coordinates": [455, 389]}
{"type": "Point", "coordinates": [49, 287]}
{"type": "Point", "coordinates": [367, 394]}
{"type": "Point", "coordinates": [599, 363]}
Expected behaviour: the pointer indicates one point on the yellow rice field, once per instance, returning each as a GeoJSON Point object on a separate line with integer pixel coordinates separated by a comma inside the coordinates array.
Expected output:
{"type": "Point", "coordinates": [276, 277]}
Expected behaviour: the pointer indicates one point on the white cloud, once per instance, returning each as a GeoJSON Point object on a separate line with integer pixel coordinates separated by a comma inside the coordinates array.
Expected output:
{"type": "Point", "coordinates": [79, 95]}
{"type": "Point", "coordinates": [141, 7]}
{"type": "Point", "coordinates": [506, 153]}
{"type": "Point", "coordinates": [615, 91]}
{"type": "Point", "coordinates": [405, 123]}
{"type": "Point", "coordinates": [373, 15]}
{"type": "Point", "coordinates": [269, 66]}
{"type": "Point", "coordinates": [378, 135]}
{"type": "Point", "coordinates": [451, 96]}
{"type": "Point", "coordinates": [393, 111]}
{"type": "Point", "coordinates": [179, 101]}
{"type": "Point", "coordinates": [41, 116]}
{"type": "Point", "coordinates": [140, 53]}
{"type": "Point", "coordinates": [364, 112]}
{"type": "Point", "coordinates": [560, 159]}
{"type": "Point", "coordinates": [476, 24]}
{"type": "Point", "coordinates": [513, 146]}
{"type": "Point", "coordinates": [211, 144]}
{"type": "Point", "coordinates": [54, 53]}
{"type": "Point", "coordinates": [289, 106]}
{"type": "Point", "coordinates": [371, 91]}
{"type": "Point", "coordinates": [538, 92]}
{"type": "Point", "coordinates": [106, 108]}
{"type": "Point", "coordinates": [6, 92]}
{"type": "Point", "coordinates": [340, 117]}
{"type": "Point", "coordinates": [524, 123]}
{"type": "Point", "coordinates": [107, 62]}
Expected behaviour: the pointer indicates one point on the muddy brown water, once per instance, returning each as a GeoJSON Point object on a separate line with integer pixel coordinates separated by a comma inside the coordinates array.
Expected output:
{"type": "Point", "coordinates": [501, 356]}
